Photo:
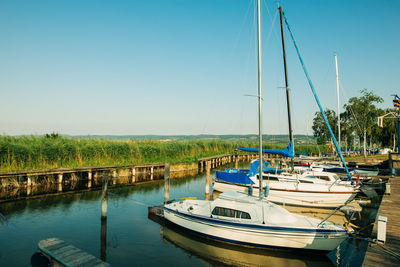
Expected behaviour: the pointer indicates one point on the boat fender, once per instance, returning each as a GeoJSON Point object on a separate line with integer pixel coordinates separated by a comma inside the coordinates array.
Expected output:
{"type": "Point", "coordinates": [266, 191]}
{"type": "Point", "coordinates": [250, 190]}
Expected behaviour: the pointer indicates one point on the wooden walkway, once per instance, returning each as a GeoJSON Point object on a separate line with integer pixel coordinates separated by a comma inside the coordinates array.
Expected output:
{"type": "Point", "coordinates": [67, 255]}
{"type": "Point", "coordinates": [378, 255]}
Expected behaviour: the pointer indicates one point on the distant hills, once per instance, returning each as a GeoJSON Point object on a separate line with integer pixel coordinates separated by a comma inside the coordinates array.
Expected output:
{"type": "Point", "coordinates": [299, 139]}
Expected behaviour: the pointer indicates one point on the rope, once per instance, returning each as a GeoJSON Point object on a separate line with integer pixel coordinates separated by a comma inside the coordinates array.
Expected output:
{"type": "Point", "coordinates": [375, 242]}
{"type": "Point", "coordinates": [389, 251]}
{"type": "Point", "coordinates": [316, 98]}
{"type": "Point", "coordinates": [134, 200]}
{"type": "Point", "coordinates": [19, 229]}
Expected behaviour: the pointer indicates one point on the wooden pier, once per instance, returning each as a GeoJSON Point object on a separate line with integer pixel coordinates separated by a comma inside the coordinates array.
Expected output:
{"type": "Point", "coordinates": [217, 161]}
{"type": "Point", "coordinates": [138, 173]}
{"type": "Point", "coordinates": [61, 253]}
{"type": "Point", "coordinates": [384, 254]}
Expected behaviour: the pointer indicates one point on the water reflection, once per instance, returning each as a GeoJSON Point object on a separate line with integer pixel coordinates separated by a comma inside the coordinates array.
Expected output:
{"type": "Point", "coordinates": [218, 253]}
{"type": "Point", "coordinates": [74, 216]}
{"type": "Point", "coordinates": [352, 251]}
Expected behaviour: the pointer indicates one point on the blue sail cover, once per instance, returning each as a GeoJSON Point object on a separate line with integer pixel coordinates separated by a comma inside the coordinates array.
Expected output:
{"type": "Point", "coordinates": [255, 165]}
{"type": "Point", "coordinates": [287, 152]}
{"type": "Point", "coordinates": [235, 177]}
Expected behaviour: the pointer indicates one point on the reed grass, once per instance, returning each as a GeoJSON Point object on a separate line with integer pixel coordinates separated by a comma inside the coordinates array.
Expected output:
{"type": "Point", "coordinates": [45, 152]}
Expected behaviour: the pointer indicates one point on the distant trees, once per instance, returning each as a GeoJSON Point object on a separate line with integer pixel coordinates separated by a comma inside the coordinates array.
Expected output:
{"type": "Point", "coordinates": [362, 114]}
{"type": "Point", "coordinates": [358, 119]}
{"type": "Point", "coordinates": [319, 126]}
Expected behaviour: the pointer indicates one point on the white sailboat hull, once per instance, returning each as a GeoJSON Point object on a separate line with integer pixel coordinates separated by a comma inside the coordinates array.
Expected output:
{"type": "Point", "coordinates": [290, 195]}
{"type": "Point", "coordinates": [259, 236]}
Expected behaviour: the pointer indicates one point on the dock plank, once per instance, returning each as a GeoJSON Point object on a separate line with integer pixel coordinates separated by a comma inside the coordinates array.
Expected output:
{"type": "Point", "coordinates": [68, 255]}
{"type": "Point", "coordinates": [384, 255]}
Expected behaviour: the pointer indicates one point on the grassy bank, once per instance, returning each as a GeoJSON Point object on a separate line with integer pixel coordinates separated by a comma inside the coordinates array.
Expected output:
{"type": "Point", "coordinates": [33, 152]}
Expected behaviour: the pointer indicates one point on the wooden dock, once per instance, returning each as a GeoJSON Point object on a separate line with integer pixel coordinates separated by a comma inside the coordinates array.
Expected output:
{"type": "Point", "coordinates": [217, 161]}
{"type": "Point", "coordinates": [143, 172]}
{"type": "Point", "coordinates": [383, 255]}
{"type": "Point", "coordinates": [64, 254]}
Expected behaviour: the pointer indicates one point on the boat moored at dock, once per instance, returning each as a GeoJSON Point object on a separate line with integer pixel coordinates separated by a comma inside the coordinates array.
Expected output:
{"type": "Point", "coordinates": [238, 218]}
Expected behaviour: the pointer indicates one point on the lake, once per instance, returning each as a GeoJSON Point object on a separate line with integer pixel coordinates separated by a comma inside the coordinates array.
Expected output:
{"type": "Point", "coordinates": [133, 239]}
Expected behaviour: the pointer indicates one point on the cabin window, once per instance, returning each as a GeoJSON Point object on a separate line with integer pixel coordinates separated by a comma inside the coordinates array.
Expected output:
{"type": "Point", "coordinates": [270, 178]}
{"type": "Point", "coordinates": [325, 178]}
{"type": "Point", "coordinates": [306, 182]}
{"type": "Point", "coordinates": [219, 211]}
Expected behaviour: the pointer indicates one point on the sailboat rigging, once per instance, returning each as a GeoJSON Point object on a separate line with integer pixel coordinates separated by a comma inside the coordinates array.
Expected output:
{"type": "Point", "coordinates": [246, 220]}
{"type": "Point", "coordinates": [325, 190]}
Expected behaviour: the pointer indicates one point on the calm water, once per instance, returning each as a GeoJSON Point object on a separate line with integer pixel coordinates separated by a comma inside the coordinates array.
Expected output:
{"type": "Point", "coordinates": [133, 238]}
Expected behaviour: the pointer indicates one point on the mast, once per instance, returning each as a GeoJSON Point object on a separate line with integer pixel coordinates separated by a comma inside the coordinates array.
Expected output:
{"type": "Point", "coordinates": [259, 100]}
{"type": "Point", "coordinates": [337, 93]}
{"type": "Point", "coordinates": [287, 88]}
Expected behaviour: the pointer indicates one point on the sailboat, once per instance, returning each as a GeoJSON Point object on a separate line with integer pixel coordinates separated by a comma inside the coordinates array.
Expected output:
{"type": "Point", "coordinates": [253, 221]}
{"type": "Point", "coordinates": [324, 190]}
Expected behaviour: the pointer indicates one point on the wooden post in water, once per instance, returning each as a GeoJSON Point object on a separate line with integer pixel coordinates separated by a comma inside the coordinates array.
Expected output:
{"type": "Point", "coordinates": [236, 162]}
{"type": "Point", "coordinates": [151, 173]}
{"type": "Point", "coordinates": [59, 182]}
{"type": "Point", "coordinates": [28, 181]}
{"type": "Point", "coordinates": [114, 176]}
{"type": "Point", "coordinates": [104, 197]}
{"type": "Point", "coordinates": [60, 178]}
{"type": "Point", "coordinates": [166, 182]}
{"type": "Point", "coordinates": [133, 175]}
{"type": "Point", "coordinates": [28, 190]}
{"type": "Point", "coordinates": [208, 164]}
{"type": "Point", "coordinates": [90, 175]}
{"type": "Point", "coordinates": [103, 240]}
{"type": "Point", "coordinates": [103, 230]}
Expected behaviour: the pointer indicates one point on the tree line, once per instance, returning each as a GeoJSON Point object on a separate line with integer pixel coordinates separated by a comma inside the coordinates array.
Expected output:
{"type": "Point", "coordinates": [358, 124]}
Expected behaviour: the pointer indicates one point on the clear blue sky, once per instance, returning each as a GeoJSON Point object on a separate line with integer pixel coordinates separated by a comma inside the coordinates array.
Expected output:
{"type": "Point", "coordinates": [183, 66]}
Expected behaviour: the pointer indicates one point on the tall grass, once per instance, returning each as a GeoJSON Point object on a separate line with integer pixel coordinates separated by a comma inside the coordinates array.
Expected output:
{"type": "Point", "coordinates": [33, 152]}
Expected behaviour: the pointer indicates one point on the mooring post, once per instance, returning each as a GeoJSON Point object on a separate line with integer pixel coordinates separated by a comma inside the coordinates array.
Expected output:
{"type": "Point", "coordinates": [104, 197]}
{"type": "Point", "coordinates": [103, 230]}
{"type": "Point", "coordinates": [28, 181]}
{"type": "Point", "coordinates": [133, 175]}
{"type": "Point", "coordinates": [90, 175]}
{"type": "Point", "coordinates": [236, 162]}
{"type": "Point", "coordinates": [60, 178]}
{"type": "Point", "coordinates": [208, 164]}
{"type": "Point", "coordinates": [59, 182]}
{"type": "Point", "coordinates": [151, 173]}
{"type": "Point", "coordinates": [166, 182]}
{"type": "Point", "coordinates": [103, 240]}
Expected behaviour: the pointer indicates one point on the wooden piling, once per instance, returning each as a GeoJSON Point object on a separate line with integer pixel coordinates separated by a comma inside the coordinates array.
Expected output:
{"type": "Point", "coordinates": [104, 198]}
{"type": "Point", "coordinates": [208, 164]}
{"type": "Point", "coordinates": [133, 175]}
{"type": "Point", "coordinates": [60, 178]}
{"type": "Point", "coordinates": [103, 239]}
{"type": "Point", "coordinates": [166, 182]}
